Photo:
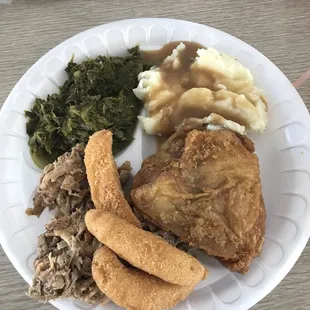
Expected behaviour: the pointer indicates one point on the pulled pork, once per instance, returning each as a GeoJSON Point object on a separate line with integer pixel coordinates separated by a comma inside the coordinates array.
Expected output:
{"type": "Point", "coordinates": [169, 237]}
{"type": "Point", "coordinates": [65, 250]}
{"type": "Point", "coordinates": [166, 235]}
{"type": "Point", "coordinates": [124, 172]}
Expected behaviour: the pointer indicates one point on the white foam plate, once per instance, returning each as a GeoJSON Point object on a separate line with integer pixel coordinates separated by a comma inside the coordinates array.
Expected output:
{"type": "Point", "coordinates": [283, 151]}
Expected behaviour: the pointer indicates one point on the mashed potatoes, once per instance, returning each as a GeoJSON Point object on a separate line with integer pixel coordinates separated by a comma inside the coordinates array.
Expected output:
{"type": "Point", "coordinates": [200, 84]}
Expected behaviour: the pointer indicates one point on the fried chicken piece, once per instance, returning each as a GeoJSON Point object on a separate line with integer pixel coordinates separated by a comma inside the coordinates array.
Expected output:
{"type": "Point", "coordinates": [170, 151]}
{"type": "Point", "coordinates": [144, 250]}
{"type": "Point", "coordinates": [103, 177]}
{"type": "Point", "coordinates": [204, 187]}
{"type": "Point", "coordinates": [132, 288]}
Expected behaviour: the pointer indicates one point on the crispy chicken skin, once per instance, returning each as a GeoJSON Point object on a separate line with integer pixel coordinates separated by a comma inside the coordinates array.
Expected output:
{"type": "Point", "coordinates": [204, 186]}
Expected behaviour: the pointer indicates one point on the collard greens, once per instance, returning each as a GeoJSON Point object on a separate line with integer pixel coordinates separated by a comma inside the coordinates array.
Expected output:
{"type": "Point", "coordinates": [97, 95]}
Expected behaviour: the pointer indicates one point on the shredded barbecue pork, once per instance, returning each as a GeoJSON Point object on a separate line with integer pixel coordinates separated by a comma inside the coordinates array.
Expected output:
{"type": "Point", "coordinates": [65, 250]}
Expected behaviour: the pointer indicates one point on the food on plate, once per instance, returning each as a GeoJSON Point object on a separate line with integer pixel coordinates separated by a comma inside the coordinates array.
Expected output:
{"type": "Point", "coordinates": [196, 82]}
{"type": "Point", "coordinates": [63, 263]}
{"type": "Point", "coordinates": [63, 184]}
{"type": "Point", "coordinates": [167, 236]}
{"type": "Point", "coordinates": [144, 250]}
{"type": "Point", "coordinates": [160, 275]}
{"type": "Point", "coordinates": [97, 95]}
{"type": "Point", "coordinates": [124, 171]}
{"type": "Point", "coordinates": [217, 122]}
{"type": "Point", "coordinates": [201, 190]}
{"type": "Point", "coordinates": [103, 178]}
{"type": "Point", "coordinates": [132, 288]}
{"type": "Point", "coordinates": [204, 187]}
{"type": "Point", "coordinates": [169, 152]}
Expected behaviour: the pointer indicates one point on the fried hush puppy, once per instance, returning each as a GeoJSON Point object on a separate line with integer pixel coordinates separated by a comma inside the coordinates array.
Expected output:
{"type": "Point", "coordinates": [165, 275]}
{"type": "Point", "coordinates": [134, 289]}
{"type": "Point", "coordinates": [103, 178]}
{"type": "Point", "coordinates": [144, 250]}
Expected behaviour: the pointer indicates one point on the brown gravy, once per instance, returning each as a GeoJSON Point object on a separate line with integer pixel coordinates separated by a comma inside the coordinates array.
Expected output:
{"type": "Point", "coordinates": [184, 88]}
{"type": "Point", "coordinates": [175, 74]}
{"type": "Point", "coordinates": [156, 57]}
{"type": "Point", "coordinates": [177, 78]}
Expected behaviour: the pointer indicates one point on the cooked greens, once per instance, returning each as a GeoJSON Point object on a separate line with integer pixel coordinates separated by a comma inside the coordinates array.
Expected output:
{"type": "Point", "coordinates": [97, 95]}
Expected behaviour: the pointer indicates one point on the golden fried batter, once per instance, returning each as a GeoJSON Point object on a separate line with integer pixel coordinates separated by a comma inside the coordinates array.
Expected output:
{"type": "Point", "coordinates": [134, 289]}
{"type": "Point", "coordinates": [103, 178]}
{"type": "Point", "coordinates": [144, 250]}
{"type": "Point", "coordinates": [204, 186]}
